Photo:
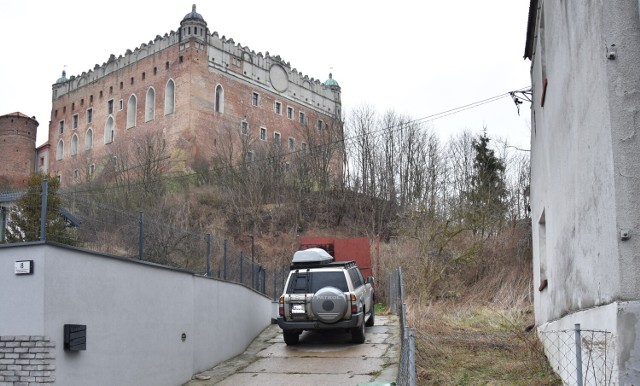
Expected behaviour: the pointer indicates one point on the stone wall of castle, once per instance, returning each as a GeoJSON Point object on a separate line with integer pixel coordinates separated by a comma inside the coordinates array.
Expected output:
{"type": "Point", "coordinates": [17, 149]}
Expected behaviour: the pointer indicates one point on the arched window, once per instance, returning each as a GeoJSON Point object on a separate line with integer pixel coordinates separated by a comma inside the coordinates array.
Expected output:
{"type": "Point", "coordinates": [219, 99]}
{"type": "Point", "coordinates": [132, 105]}
{"type": "Point", "coordinates": [150, 105]}
{"type": "Point", "coordinates": [109, 130]}
{"type": "Point", "coordinates": [88, 140]}
{"type": "Point", "coordinates": [60, 150]}
{"type": "Point", "coordinates": [169, 97]}
{"type": "Point", "coordinates": [74, 144]}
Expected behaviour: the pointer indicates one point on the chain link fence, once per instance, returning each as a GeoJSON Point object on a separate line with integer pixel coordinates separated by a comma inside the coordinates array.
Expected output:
{"type": "Point", "coordinates": [581, 357]}
{"type": "Point", "coordinates": [397, 305]}
{"type": "Point", "coordinates": [102, 228]}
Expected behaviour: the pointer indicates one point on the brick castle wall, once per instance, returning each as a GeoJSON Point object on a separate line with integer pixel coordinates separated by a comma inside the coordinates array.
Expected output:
{"type": "Point", "coordinates": [17, 149]}
{"type": "Point", "coordinates": [197, 65]}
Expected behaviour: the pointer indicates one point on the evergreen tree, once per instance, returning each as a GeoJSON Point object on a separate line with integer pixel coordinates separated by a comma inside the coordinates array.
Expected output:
{"type": "Point", "coordinates": [488, 193]}
{"type": "Point", "coordinates": [24, 221]}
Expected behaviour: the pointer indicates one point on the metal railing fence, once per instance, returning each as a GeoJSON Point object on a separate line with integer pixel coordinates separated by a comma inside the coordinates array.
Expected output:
{"type": "Point", "coordinates": [106, 229]}
{"type": "Point", "coordinates": [580, 357]}
{"type": "Point", "coordinates": [397, 305]}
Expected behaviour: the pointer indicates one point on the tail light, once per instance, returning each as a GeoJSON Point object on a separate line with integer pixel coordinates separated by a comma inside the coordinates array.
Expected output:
{"type": "Point", "coordinates": [281, 306]}
{"type": "Point", "coordinates": [354, 305]}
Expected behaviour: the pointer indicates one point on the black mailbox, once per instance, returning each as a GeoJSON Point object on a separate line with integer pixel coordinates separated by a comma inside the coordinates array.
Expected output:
{"type": "Point", "coordinates": [75, 337]}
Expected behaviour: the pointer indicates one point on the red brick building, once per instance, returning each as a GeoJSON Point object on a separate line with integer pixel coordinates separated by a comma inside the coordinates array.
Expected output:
{"type": "Point", "coordinates": [202, 94]}
{"type": "Point", "coordinates": [17, 149]}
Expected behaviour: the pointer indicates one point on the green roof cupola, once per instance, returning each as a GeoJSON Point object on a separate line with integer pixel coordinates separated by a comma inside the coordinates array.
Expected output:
{"type": "Point", "coordinates": [63, 78]}
{"type": "Point", "coordinates": [331, 82]}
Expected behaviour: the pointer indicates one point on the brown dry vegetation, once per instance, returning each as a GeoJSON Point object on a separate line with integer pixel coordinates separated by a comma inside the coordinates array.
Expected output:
{"type": "Point", "coordinates": [470, 313]}
{"type": "Point", "coordinates": [453, 216]}
{"type": "Point", "coordinates": [471, 324]}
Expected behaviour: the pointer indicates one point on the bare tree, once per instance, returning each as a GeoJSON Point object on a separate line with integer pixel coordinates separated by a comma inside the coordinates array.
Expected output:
{"type": "Point", "coordinates": [138, 166]}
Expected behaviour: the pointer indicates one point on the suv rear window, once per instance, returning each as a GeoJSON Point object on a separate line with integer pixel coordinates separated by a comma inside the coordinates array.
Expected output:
{"type": "Point", "coordinates": [311, 282]}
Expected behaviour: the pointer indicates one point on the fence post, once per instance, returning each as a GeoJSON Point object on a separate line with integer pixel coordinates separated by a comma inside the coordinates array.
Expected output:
{"type": "Point", "coordinates": [4, 224]}
{"type": "Point", "coordinates": [264, 280]}
{"type": "Point", "coordinates": [401, 285]}
{"type": "Point", "coordinates": [412, 358]}
{"type": "Point", "coordinates": [578, 355]}
{"type": "Point", "coordinates": [275, 281]}
{"type": "Point", "coordinates": [43, 210]}
{"type": "Point", "coordinates": [225, 259]}
{"type": "Point", "coordinates": [141, 236]}
{"type": "Point", "coordinates": [241, 268]}
{"type": "Point", "coordinates": [209, 254]}
{"type": "Point", "coordinates": [253, 268]}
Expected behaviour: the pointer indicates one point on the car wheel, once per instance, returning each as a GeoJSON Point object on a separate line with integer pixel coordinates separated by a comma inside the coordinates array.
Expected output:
{"type": "Point", "coordinates": [291, 338]}
{"type": "Point", "coordinates": [372, 317]}
{"type": "Point", "coordinates": [357, 334]}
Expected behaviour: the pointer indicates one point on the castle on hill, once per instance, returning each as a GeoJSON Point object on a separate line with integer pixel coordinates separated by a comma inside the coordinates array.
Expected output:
{"type": "Point", "coordinates": [192, 92]}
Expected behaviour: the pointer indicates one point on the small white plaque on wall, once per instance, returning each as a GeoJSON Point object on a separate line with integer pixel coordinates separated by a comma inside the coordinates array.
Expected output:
{"type": "Point", "coordinates": [24, 267]}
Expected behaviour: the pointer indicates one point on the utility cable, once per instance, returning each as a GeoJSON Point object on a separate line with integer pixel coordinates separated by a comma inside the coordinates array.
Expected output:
{"type": "Point", "coordinates": [310, 151]}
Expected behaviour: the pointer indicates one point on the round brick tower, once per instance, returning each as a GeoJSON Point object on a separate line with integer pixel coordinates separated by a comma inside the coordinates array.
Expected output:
{"type": "Point", "coordinates": [17, 149]}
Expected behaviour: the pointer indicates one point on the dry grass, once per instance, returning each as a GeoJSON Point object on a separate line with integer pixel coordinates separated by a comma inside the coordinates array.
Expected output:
{"type": "Point", "coordinates": [466, 345]}
{"type": "Point", "coordinates": [470, 315]}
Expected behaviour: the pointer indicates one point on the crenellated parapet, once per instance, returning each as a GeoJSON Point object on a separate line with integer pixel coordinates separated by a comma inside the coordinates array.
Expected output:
{"type": "Point", "coordinates": [64, 85]}
{"type": "Point", "coordinates": [269, 72]}
{"type": "Point", "coordinates": [273, 73]}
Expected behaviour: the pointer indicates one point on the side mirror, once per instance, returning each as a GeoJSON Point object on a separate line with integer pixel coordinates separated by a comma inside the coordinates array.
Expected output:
{"type": "Point", "coordinates": [370, 280]}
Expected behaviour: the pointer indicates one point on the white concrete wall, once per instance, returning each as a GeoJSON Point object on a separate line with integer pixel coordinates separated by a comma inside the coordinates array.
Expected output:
{"type": "Point", "coordinates": [615, 351]}
{"type": "Point", "coordinates": [572, 165]}
{"type": "Point", "coordinates": [585, 171]}
{"type": "Point", "coordinates": [135, 315]}
{"type": "Point", "coordinates": [585, 160]}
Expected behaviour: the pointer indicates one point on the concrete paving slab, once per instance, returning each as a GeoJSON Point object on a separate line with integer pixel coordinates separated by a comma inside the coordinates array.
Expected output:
{"type": "Point", "coordinates": [324, 351]}
{"type": "Point", "coordinates": [321, 358]}
{"type": "Point", "coordinates": [295, 379]}
{"type": "Point", "coordinates": [316, 365]}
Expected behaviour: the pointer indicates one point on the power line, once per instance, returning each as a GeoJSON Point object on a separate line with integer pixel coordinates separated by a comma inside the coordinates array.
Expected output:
{"type": "Point", "coordinates": [374, 133]}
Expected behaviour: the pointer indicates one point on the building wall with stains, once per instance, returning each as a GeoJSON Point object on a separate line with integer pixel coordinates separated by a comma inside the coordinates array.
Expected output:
{"type": "Point", "coordinates": [585, 163]}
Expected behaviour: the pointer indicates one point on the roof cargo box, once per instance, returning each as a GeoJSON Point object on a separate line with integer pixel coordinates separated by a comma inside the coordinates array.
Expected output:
{"type": "Point", "coordinates": [312, 255]}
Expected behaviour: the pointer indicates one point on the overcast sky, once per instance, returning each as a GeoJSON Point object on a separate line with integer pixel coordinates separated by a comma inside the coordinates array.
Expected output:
{"type": "Point", "coordinates": [418, 58]}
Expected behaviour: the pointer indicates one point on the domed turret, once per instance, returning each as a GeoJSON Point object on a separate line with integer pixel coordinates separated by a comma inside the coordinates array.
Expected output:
{"type": "Point", "coordinates": [331, 82]}
{"type": "Point", "coordinates": [193, 14]}
{"type": "Point", "coordinates": [63, 78]}
{"type": "Point", "coordinates": [193, 25]}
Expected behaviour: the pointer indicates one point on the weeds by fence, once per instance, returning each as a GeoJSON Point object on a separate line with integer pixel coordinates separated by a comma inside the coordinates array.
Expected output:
{"type": "Point", "coordinates": [105, 229]}
{"type": "Point", "coordinates": [580, 357]}
{"type": "Point", "coordinates": [397, 305]}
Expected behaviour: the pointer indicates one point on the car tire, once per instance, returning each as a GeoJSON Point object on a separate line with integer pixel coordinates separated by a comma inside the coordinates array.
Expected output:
{"type": "Point", "coordinates": [372, 319]}
{"type": "Point", "coordinates": [291, 338]}
{"type": "Point", "coordinates": [357, 334]}
{"type": "Point", "coordinates": [329, 305]}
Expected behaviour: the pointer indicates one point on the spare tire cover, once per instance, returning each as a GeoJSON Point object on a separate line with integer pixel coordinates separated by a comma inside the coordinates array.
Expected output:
{"type": "Point", "coordinates": [329, 304]}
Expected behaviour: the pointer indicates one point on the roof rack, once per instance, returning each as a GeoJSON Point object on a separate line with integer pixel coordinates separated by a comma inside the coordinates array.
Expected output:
{"type": "Point", "coordinates": [307, 265]}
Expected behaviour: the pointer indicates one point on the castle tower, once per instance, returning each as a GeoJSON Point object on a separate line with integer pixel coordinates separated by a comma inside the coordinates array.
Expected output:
{"type": "Point", "coordinates": [193, 26]}
{"type": "Point", "coordinates": [17, 149]}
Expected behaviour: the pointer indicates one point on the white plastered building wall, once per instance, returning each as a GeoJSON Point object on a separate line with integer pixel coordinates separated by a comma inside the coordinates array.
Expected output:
{"type": "Point", "coordinates": [585, 172]}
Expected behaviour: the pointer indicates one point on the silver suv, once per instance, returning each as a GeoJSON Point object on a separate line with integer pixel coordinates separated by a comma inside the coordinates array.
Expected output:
{"type": "Point", "coordinates": [322, 294]}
